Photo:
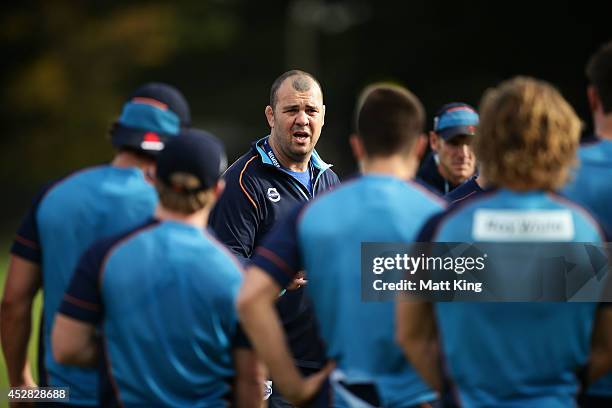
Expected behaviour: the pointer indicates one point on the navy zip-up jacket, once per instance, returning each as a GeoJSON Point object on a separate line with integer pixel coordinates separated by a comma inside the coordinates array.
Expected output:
{"type": "Point", "coordinates": [257, 194]}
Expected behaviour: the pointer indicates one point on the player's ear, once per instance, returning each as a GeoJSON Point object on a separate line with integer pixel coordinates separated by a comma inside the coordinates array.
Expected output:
{"type": "Point", "coordinates": [323, 116]}
{"type": "Point", "coordinates": [359, 151]}
{"type": "Point", "coordinates": [270, 116]}
{"type": "Point", "coordinates": [149, 173]}
{"type": "Point", "coordinates": [434, 141]}
{"type": "Point", "coordinates": [420, 147]}
{"type": "Point", "coordinates": [219, 187]}
{"type": "Point", "coordinates": [593, 97]}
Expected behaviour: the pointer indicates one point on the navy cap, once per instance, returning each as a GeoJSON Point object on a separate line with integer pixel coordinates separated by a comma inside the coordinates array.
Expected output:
{"type": "Point", "coordinates": [456, 119]}
{"type": "Point", "coordinates": [152, 114]}
{"type": "Point", "coordinates": [195, 152]}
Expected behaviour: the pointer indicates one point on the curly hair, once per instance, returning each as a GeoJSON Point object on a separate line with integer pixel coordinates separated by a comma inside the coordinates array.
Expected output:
{"type": "Point", "coordinates": [528, 135]}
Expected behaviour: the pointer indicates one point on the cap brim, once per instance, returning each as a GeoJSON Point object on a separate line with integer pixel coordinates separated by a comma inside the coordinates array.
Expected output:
{"type": "Point", "coordinates": [451, 132]}
{"type": "Point", "coordinates": [123, 136]}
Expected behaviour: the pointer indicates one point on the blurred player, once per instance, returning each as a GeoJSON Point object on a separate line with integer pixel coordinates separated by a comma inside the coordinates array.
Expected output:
{"type": "Point", "coordinates": [591, 185]}
{"type": "Point", "coordinates": [452, 160]}
{"type": "Point", "coordinates": [69, 215]}
{"type": "Point", "coordinates": [279, 171]}
{"type": "Point", "coordinates": [324, 238]}
{"type": "Point", "coordinates": [163, 295]}
{"type": "Point", "coordinates": [513, 354]}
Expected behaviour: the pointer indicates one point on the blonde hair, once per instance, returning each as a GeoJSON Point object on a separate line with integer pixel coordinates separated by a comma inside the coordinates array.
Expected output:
{"type": "Point", "coordinates": [527, 137]}
{"type": "Point", "coordinates": [177, 197]}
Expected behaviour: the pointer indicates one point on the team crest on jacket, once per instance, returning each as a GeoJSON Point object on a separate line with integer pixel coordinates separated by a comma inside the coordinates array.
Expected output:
{"type": "Point", "coordinates": [267, 390]}
{"type": "Point", "coordinates": [273, 195]}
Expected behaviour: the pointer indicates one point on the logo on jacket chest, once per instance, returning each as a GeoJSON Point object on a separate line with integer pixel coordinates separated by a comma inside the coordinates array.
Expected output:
{"type": "Point", "coordinates": [273, 195]}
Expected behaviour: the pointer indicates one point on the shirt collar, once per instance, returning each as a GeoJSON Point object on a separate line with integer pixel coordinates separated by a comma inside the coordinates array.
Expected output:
{"type": "Point", "coordinates": [267, 156]}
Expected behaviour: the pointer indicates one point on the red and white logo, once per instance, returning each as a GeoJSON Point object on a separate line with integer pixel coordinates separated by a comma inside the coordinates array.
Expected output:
{"type": "Point", "coordinates": [151, 141]}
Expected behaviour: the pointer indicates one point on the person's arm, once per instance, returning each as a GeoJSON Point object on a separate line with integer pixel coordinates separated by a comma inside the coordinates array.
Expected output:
{"type": "Point", "coordinates": [250, 378]}
{"type": "Point", "coordinates": [417, 335]}
{"type": "Point", "coordinates": [74, 338]}
{"type": "Point", "coordinates": [22, 282]}
{"type": "Point", "coordinates": [74, 342]}
{"type": "Point", "coordinates": [236, 216]}
{"type": "Point", "coordinates": [262, 324]}
{"type": "Point", "coordinates": [600, 360]}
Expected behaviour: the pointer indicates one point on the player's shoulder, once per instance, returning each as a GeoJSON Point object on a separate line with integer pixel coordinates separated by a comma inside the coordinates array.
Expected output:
{"type": "Point", "coordinates": [69, 181]}
{"type": "Point", "coordinates": [465, 190]}
{"type": "Point", "coordinates": [87, 172]}
{"type": "Point", "coordinates": [124, 236]}
{"type": "Point", "coordinates": [218, 255]}
{"type": "Point", "coordinates": [426, 193]}
{"type": "Point", "coordinates": [465, 207]}
{"type": "Point", "coordinates": [598, 152]}
{"type": "Point", "coordinates": [580, 211]}
{"type": "Point", "coordinates": [330, 177]}
{"type": "Point", "coordinates": [79, 182]}
{"type": "Point", "coordinates": [244, 163]}
{"type": "Point", "coordinates": [105, 246]}
{"type": "Point", "coordinates": [456, 214]}
{"type": "Point", "coordinates": [379, 189]}
{"type": "Point", "coordinates": [248, 169]}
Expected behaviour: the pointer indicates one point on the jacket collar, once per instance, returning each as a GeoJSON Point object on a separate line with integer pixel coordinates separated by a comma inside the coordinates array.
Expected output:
{"type": "Point", "coordinates": [267, 156]}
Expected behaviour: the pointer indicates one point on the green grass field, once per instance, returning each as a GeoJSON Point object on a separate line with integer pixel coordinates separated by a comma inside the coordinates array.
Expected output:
{"type": "Point", "coordinates": [36, 319]}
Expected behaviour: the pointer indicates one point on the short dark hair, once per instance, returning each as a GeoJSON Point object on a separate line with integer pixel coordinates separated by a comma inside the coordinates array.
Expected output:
{"type": "Point", "coordinates": [389, 119]}
{"type": "Point", "coordinates": [599, 74]}
{"type": "Point", "coordinates": [297, 85]}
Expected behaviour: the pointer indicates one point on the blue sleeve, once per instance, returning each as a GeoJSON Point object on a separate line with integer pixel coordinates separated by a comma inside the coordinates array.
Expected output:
{"type": "Point", "coordinates": [82, 300]}
{"type": "Point", "coordinates": [279, 254]}
{"type": "Point", "coordinates": [424, 184]}
{"type": "Point", "coordinates": [26, 244]}
{"type": "Point", "coordinates": [237, 215]}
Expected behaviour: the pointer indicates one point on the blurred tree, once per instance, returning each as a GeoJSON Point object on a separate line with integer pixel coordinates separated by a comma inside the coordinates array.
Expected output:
{"type": "Point", "coordinates": [68, 65]}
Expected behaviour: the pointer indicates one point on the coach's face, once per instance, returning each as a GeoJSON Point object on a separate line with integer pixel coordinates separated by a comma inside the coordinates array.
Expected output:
{"type": "Point", "coordinates": [457, 162]}
{"type": "Point", "coordinates": [297, 118]}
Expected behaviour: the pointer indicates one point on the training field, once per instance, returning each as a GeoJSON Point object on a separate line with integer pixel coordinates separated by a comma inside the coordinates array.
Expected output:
{"type": "Point", "coordinates": [4, 248]}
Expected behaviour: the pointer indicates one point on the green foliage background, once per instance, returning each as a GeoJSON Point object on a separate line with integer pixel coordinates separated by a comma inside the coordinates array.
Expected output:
{"type": "Point", "coordinates": [68, 65]}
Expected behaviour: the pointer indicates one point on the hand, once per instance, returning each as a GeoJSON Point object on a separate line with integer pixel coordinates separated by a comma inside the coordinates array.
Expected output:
{"type": "Point", "coordinates": [298, 281]}
{"type": "Point", "coordinates": [25, 380]}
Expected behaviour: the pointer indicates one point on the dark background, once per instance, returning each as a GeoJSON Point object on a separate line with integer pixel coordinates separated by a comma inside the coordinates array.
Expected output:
{"type": "Point", "coordinates": [68, 65]}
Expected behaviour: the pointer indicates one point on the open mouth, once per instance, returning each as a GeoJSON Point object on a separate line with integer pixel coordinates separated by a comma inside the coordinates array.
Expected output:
{"type": "Point", "coordinates": [462, 168]}
{"type": "Point", "coordinates": [301, 137]}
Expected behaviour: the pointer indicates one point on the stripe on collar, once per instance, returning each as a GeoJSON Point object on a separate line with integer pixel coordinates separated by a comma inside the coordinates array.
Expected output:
{"type": "Point", "coordinates": [268, 157]}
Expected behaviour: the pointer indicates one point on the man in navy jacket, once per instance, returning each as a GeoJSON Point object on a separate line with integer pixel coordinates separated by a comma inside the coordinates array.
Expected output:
{"type": "Point", "coordinates": [278, 172]}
